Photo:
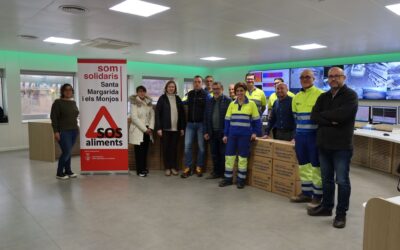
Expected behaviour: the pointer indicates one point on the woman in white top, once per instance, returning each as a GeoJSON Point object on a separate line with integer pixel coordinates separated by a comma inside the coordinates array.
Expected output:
{"type": "Point", "coordinates": [141, 128]}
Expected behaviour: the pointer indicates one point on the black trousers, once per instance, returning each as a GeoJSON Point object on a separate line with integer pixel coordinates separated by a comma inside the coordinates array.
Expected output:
{"type": "Point", "coordinates": [218, 152]}
{"type": "Point", "coordinates": [141, 154]}
{"type": "Point", "coordinates": [170, 149]}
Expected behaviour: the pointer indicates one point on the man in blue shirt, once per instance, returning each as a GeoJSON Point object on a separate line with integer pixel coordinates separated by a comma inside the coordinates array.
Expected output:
{"type": "Point", "coordinates": [281, 120]}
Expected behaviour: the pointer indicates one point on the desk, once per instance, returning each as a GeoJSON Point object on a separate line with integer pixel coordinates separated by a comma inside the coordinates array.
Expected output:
{"type": "Point", "coordinates": [42, 146]}
{"type": "Point", "coordinates": [382, 224]}
{"type": "Point", "coordinates": [374, 150]}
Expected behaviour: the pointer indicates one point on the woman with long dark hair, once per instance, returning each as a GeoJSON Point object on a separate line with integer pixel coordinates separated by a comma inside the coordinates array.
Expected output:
{"type": "Point", "coordinates": [64, 114]}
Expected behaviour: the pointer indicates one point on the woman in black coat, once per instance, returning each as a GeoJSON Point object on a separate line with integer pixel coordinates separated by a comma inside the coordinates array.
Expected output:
{"type": "Point", "coordinates": [170, 124]}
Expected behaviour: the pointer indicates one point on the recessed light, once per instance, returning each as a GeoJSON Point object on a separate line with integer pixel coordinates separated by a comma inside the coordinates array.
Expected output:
{"type": "Point", "coordinates": [161, 52]}
{"type": "Point", "coordinates": [62, 40]}
{"type": "Point", "coordinates": [394, 8]}
{"type": "Point", "coordinates": [258, 34]}
{"type": "Point", "coordinates": [213, 58]}
{"type": "Point", "coordinates": [309, 46]}
{"type": "Point", "coordinates": [139, 8]}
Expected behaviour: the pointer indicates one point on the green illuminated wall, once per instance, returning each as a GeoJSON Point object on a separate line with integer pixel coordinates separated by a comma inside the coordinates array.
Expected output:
{"type": "Point", "coordinates": [14, 135]}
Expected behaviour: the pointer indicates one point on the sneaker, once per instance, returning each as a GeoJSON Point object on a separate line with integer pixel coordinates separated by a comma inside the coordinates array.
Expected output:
{"type": "Point", "coordinates": [301, 198]}
{"type": "Point", "coordinates": [240, 185]}
{"type": "Point", "coordinates": [319, 211]}
{"type": "Point", "coordinates": [199, 172]}
{"type": "Point", "coordinates": [174, 171]}
{"type": "Point", "coordinates": [146, 171]}
{"type": "Point", "coordinates": [315, 202]}
{"type": "Point", "coordinates": [225, 183]}
{"type": "Point", "coordinates": [186, 173]}
{"type": "Point", "coordinates": [168, 172]}
{"type": "Point", "coordinates": [339, 221]}
{"type": "Point", "coordinates": [142, 174]}
{"type": "Point", "coordinates": [72, 175]}
{"type": "Point", "coordinates": [62, 177]}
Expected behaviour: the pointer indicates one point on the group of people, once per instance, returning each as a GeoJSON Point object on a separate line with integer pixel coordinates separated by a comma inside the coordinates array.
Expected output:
{"type": "Point", "coordinates": [319, 124]}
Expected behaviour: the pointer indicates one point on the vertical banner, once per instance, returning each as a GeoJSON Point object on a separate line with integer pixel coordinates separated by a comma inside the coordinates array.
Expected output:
{"type": "Point", "coordinates": [103, 115]}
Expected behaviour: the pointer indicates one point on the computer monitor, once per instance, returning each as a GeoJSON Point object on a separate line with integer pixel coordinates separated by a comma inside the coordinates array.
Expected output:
{"type": "Point", "coordinates": [363, 114]}
{"type": "Point", "coordinates": [387, 115]}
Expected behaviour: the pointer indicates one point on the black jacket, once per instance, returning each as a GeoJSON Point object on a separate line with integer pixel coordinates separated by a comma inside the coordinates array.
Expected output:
{"type": "Point", "coordinates": [223, 107]}
{"type": "Point", "coordinates": [196, 102]}
{"type": "Point", "coordinates": [335, 117]}
{"type": "Point", "coordinates": [163, 113]}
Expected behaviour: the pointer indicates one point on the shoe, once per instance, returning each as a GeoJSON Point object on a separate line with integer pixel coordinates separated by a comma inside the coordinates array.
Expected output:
{"type": "Point", "coordinates": [301, 198]}
{"type": "Point", "coordinates": [174, 171]}
{"type": "Point", "coordinates": [199, 172]}
{"type": "Point", "coordinates": [186, 173]}
{"type": "Point", "coordinates": [142, 174]}
{"type": "Point", "coordinates": [240, 185]}
{"type": "Point", "coordinates": [72, 175]}
{"type": "Point", "coordinates": [319, 211]}
{"type": "Point", "coordinates": [339, 221]}
{"type": "Point", "coordinates": [146, 171]}
{"type": "Point", "coordinates": [315, 202]}
{"type": "Point", "coordinates": [62, 177]}
{"type": "Point", "coordinates": [213, 176]}
{"type": "Point", "coordinates": [168, 172]}
{"type": "Point", "coordinates": [225, 183]}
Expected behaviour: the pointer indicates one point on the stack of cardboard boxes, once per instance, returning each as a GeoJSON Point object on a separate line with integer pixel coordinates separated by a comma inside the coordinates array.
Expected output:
{"type": "Point", "coordinates": [274, 167]}
{"type": "Point", "coordinates": [260, 165]}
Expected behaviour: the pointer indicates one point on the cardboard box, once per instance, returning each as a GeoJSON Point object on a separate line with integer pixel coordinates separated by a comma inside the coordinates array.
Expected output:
{"type": "Point", "coordinates": [262, 181]}
{"type": "Point", "coordinates": [287, 170]}
{"type": "Point", "coordinates": [262, 147]}
{"type": "Point", "coordinates": [284, 151]}
{"type": "Point", "coordinates": [285, 187]}
{"type": "Point", "coordinates": [261, 165]}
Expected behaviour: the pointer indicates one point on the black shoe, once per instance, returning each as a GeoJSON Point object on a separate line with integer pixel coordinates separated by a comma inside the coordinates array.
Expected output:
{"type": "Point", "coordinates": [225, 183]}
{"type": "Point", "coordinates": [339, 221]}
{"type": "Point", "coordinates": [146, 171]}
{"type": "Point", "coordinates": [319, 211]}
{"type": "Point", "coordinates": [142, 174]}
{"type": "Point", "coordinates": [240, 185]}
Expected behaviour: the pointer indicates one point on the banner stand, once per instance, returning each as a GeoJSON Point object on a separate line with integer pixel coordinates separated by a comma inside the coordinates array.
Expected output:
{"type": "Point", "coordinates": [103, 116]}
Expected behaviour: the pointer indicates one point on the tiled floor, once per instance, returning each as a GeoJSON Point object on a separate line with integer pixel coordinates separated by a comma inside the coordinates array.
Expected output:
{"type": "Point", "coordinates": [127, 212]}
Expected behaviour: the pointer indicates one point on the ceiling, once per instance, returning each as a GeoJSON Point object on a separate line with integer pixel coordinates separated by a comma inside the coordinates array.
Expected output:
{"type": "Point", "coordinates": [200, 28]}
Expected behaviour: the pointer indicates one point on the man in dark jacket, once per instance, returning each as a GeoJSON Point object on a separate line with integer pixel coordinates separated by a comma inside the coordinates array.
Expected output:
{"type": "Point", "coordinates": [196, 103]}
{"type": "Point", "coordinates": [335, 112]}
{"type": "Point", "coordinates": [214, 121]}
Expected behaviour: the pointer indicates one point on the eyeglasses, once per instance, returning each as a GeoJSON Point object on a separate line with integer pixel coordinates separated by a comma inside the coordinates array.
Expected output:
{"type": "Point", "coordinates": [305, 77]}
{"type": "Point", "coordinates": [334, 76]}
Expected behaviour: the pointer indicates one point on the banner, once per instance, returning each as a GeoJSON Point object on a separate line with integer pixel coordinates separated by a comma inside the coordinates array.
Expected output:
{"type": "Point", "coordinates": [103, 114]}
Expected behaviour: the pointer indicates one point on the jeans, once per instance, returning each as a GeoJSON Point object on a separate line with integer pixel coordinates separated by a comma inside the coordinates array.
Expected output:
{"type": "Point", "coordinates": [67, 141]}
{"type": "Point", "coordinates": [141, 154]}
{"type": "Point", "coordinates": [336, 161]}
{"type": "Point", "coordinates": [218, 152]}
{"type": "Point", "coordinates": [193, 129]}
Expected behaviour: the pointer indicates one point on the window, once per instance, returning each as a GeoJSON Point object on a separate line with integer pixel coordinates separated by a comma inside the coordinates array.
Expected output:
{"type": "Point", "coordinates": [3, 110]}
{"type": "Point", "coordinates": [187, 85]}
{"type": "Point", "coordinates": [155, 86]}
{"type": "Point", "coordinates": [39, 90]}
{"type": "Point", "coordinates": [131, 91]}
